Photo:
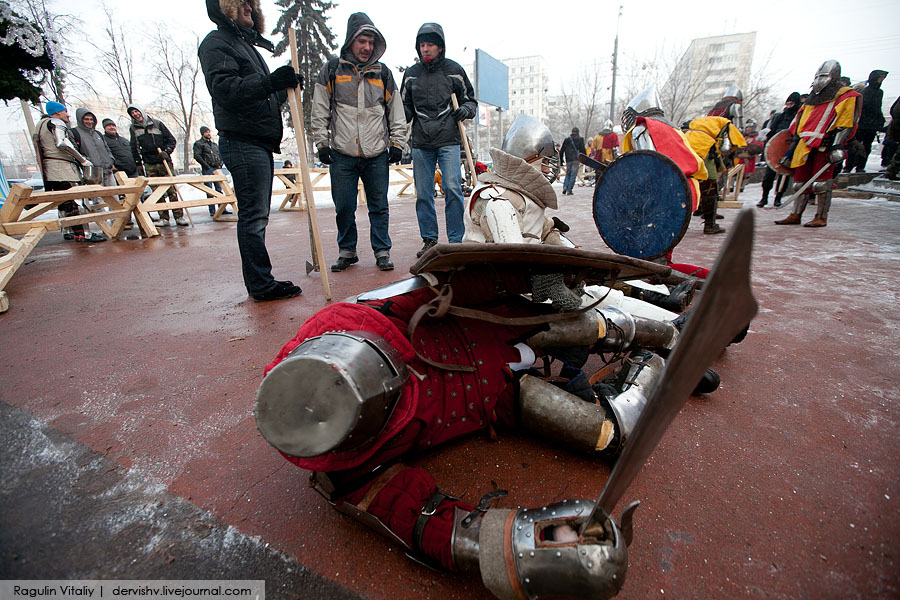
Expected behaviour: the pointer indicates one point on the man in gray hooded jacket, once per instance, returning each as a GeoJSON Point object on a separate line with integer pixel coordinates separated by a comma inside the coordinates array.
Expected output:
{"type": "Point", "coordinates": [358, 125]}
{"type": "Point", "coordinates": [90, 143]}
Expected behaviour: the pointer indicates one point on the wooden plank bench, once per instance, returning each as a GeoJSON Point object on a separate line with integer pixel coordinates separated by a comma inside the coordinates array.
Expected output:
{"type": "Point", "coordinates": [734, 175]}
{"type": "Point", "coordinates": [401, 175]}
{"type": "Point", "coordinates": [155, 202]}
{"type": "Point", "coordinates": [19, 216]}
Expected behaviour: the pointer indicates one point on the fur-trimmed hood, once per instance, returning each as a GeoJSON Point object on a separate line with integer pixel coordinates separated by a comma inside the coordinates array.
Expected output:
{"type": "Point", "coordinates": [223, 13]}
{"type": "Point", "coordinates": [514, 173]}
{"type": "Point", "coordinates": [229, 8]}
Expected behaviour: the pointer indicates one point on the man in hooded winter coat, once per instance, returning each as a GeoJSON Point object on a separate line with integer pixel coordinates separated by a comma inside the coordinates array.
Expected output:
{"type": "Point", "coordinates": [247, 101]}
{"type": "Point", "coordinates": [426, 92]}
{"type": "Point", "coordinates": [871, 119]}
{"type": "Point", "coordinates": [358, 126]}
{"type": "Point", "coordinates": [780, 121]}
{"type": "Point", "coordinates": [152, 145]}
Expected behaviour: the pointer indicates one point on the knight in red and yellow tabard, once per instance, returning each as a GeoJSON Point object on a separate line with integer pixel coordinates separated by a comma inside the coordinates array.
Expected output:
{"type": "Point", "coordinates": [828, 119]}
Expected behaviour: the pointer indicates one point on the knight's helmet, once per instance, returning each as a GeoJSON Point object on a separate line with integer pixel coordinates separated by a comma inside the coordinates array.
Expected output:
{"type": "Point", "coordinates": [607, 127]}
{"type": "Point", "coordinates": [645, 104]}
{"type": "Point", "coordinates": [528, 139]}
{"type": "Point", "coordinates": [735, 92]}
{"type": "Point", "coordinates": [828, 72]}
{"type": "Point", "coordinates": [333, 393]}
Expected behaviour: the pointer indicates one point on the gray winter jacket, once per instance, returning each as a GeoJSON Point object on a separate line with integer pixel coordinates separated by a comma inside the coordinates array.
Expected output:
{"type": "Point", "coordinates": [90, 142]}
{"type": "Point", "coordinates": [359, 112]}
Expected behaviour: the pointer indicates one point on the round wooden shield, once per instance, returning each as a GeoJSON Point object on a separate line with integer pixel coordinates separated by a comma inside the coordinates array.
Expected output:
{"type": "Point", "coordinates": [775, 149]}
{"type": "Point", "coordinates": [642, 204]}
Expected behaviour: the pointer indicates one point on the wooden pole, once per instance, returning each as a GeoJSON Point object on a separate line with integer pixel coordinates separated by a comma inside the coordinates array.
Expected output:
{"type": "Point", "coordinates": [177, 193]}
{"type": "Point", "coordinates": [300, 134]}
{"type": "Point", "coordinates": [465, 141]}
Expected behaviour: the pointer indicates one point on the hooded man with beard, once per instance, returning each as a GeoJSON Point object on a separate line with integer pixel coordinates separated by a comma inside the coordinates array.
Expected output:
{"type": "Point", "coordinates": [358, 126]}
{"type": "Point", "coordinates": [247, 101]}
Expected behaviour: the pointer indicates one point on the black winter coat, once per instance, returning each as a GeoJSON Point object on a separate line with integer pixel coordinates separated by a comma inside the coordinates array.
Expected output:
{"type": "Point", "coordinates": [570, 148]}
{"type": "Point", "coordinates": [206, 153]}
{"type": "Point", "coordinates": [146, 137]}
{"type": "Point", "coordinates": [426, 90]}
{"type": "Point", "coordinates": [871, 116]}
{"type": "Point", "coordinates": [782, 120]}
{"type": "Point", "coordinates": [120, 148]}
{"type": "Point", "coordinates": [244, 106]}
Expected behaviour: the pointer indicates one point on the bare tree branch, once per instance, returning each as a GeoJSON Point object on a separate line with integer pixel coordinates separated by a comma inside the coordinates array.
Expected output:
{"type": "Point", "coordinates": [178, 69]}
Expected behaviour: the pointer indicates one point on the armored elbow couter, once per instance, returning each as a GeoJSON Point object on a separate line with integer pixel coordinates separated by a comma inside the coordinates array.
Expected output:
{"type": "Point", "coordinates": [538, 553]}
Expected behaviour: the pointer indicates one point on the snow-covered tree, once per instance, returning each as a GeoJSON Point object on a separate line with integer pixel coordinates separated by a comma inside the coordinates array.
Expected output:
{"type": "Point", "coordinates": [315, 40]}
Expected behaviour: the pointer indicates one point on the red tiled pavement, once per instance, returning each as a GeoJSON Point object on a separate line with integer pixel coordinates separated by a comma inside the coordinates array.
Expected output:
{"type": "Point", "coordinates": [784, 483]}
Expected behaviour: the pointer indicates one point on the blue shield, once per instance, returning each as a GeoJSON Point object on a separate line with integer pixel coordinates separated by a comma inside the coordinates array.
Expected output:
{"type": "Point", "coordinates": [642, 204]}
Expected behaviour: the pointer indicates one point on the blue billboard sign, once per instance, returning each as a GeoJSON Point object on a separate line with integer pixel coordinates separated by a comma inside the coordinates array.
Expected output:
{"type": "Point", "coordinates": [491, 80]}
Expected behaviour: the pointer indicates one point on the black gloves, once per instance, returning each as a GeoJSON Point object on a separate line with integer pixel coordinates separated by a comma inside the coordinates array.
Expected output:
{"type": "Point", "coordinates": [285, 77]}
{"type": "Point", "coordinates": [462, 113]}
{"type": "Point", "coordinates": [325, 155]}
{"type": "Point", "coordinates": [395, 154]}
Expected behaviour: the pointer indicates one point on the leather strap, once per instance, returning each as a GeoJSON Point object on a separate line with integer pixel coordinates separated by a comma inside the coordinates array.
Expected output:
{"type": "Point", "coordinates": [426, 513]}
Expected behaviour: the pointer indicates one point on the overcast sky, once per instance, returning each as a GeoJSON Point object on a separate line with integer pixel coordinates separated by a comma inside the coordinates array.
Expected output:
{"type": "Point", "coordinates": [794, 37]}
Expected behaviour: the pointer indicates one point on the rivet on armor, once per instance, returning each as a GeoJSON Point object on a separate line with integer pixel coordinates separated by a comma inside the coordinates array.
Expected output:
{"type": "Point", "coordinates": [553, 513]}
{"type": "Point", "coordinates": [428, 393]}
{"type": "Point", "coordinates": [527, 534]}
{"type": "Point", "coordinates": [590, 565]}
{"type": "Point", "coordinates": [471, 406]}
{"type": "Point", "coordinates": [468, 386]}
{"type": "Point", "coordinates": [480, 362]}
{"type": "Point", "coordinates": [444, 356]}
{"type": "Point", "coordinates": [519, 528]}
{"type": "Point", "coordinates": [558, 554]}
{"type": "Point", "coordinates": [521, 555]}
{"type": "Point", "coordinates": [527, 580]}
{"type": "Point", "coordinates": [531, 554]}
{"type": "Point", "coordinates": [439, 421]}
{"type": "Point", "coordinates": [484, 381]}
{"type": "Point", "coordinates": [473, 344]}
{"type": "Point", "coordinates": [453, 414]}
{"type": "Point", "coordinates": [448, 425]}
{"type": "Point", "coordinates": [463, 420]}
{"type": "Point", "coordinates": [583, 552]}
{"type": "Point", "coordinates": [453, 395]}
{"type": "Point", "coordinates": [450, 375]}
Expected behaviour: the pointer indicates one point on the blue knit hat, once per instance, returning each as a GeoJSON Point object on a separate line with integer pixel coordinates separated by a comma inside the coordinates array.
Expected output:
{"type": "Point", "coordinates": [54, 107]}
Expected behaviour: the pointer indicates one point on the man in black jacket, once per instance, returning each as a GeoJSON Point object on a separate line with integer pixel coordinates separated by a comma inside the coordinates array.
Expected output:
{"type": "Point", "coordinates": [120, 148]}
{"type": "Point", "coordinates": [780, 121]}
{"type": "Point", "coordinates": [426, 90]}
{"type": "Point", "coordinates": [152, 145]}
{"type": "Point", "coordinates": [247, 101]}
{"type": "Point", "coordinates": [871, 120]}
{"type": "Point", "coordinates": [206, 153]}
{"type": "Point", "coordinates": [568, 155]}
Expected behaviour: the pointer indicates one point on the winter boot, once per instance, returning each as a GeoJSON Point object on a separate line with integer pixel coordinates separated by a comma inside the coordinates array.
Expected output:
{"type": "Point", "coordinates": [792, 219]}
{"type": "Point", "coordinates": [823, 204]}
{"type": "Point", "coordinates": [708, 202]}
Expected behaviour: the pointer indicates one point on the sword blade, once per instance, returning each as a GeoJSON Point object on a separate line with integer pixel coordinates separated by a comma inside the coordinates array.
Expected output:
{"type": "Point", "coordinates": [790, 201]}
{"type": "Point", "coordinates": [726, 307]}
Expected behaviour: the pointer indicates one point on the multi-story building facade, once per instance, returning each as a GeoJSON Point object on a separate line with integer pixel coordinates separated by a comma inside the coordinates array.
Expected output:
{"type": "Point", "coordinates": [705, 71]}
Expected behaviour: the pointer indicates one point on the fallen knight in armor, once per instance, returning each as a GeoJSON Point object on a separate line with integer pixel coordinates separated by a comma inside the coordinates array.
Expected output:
{"type": "Point", "coordinates": [398, 371]}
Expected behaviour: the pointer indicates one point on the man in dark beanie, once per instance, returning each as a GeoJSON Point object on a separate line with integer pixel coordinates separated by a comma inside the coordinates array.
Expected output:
{"type": "Point", "coordinates": [871, 120]}
{"type": "Point", "coordinates": [568, 155]}
{"type": "Point", "coordinates": [206, 153]}
{"type": "Point", "coordinates": [780, 121]}
{"type": "Point", "coordinates": [426, 90]}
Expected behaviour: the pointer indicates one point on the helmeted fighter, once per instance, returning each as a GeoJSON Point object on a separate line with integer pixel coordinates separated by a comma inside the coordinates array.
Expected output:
{"type": "Point", "coordinates": [731, 106]}
{"type": "Point", "coordinates": [828, 119]}
{"type": "Point", "coordinates": [508, 204]}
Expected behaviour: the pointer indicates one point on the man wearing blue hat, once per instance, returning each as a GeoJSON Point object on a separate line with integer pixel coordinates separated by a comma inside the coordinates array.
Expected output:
{"type": "Point", "coordinates": [60, 163]}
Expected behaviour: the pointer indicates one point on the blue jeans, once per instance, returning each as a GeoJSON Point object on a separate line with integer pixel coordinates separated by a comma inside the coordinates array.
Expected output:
{"type": "Point", "coordinates": [214, 185]}
{"type": "Point", "coordinates": [346, 171]}
{"type": "Point", "coordinates": [252, 169]}
{"type": "Point", "coordinates": [571, 173]}
{"type": "Point", "coordinates": [424, 161]}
